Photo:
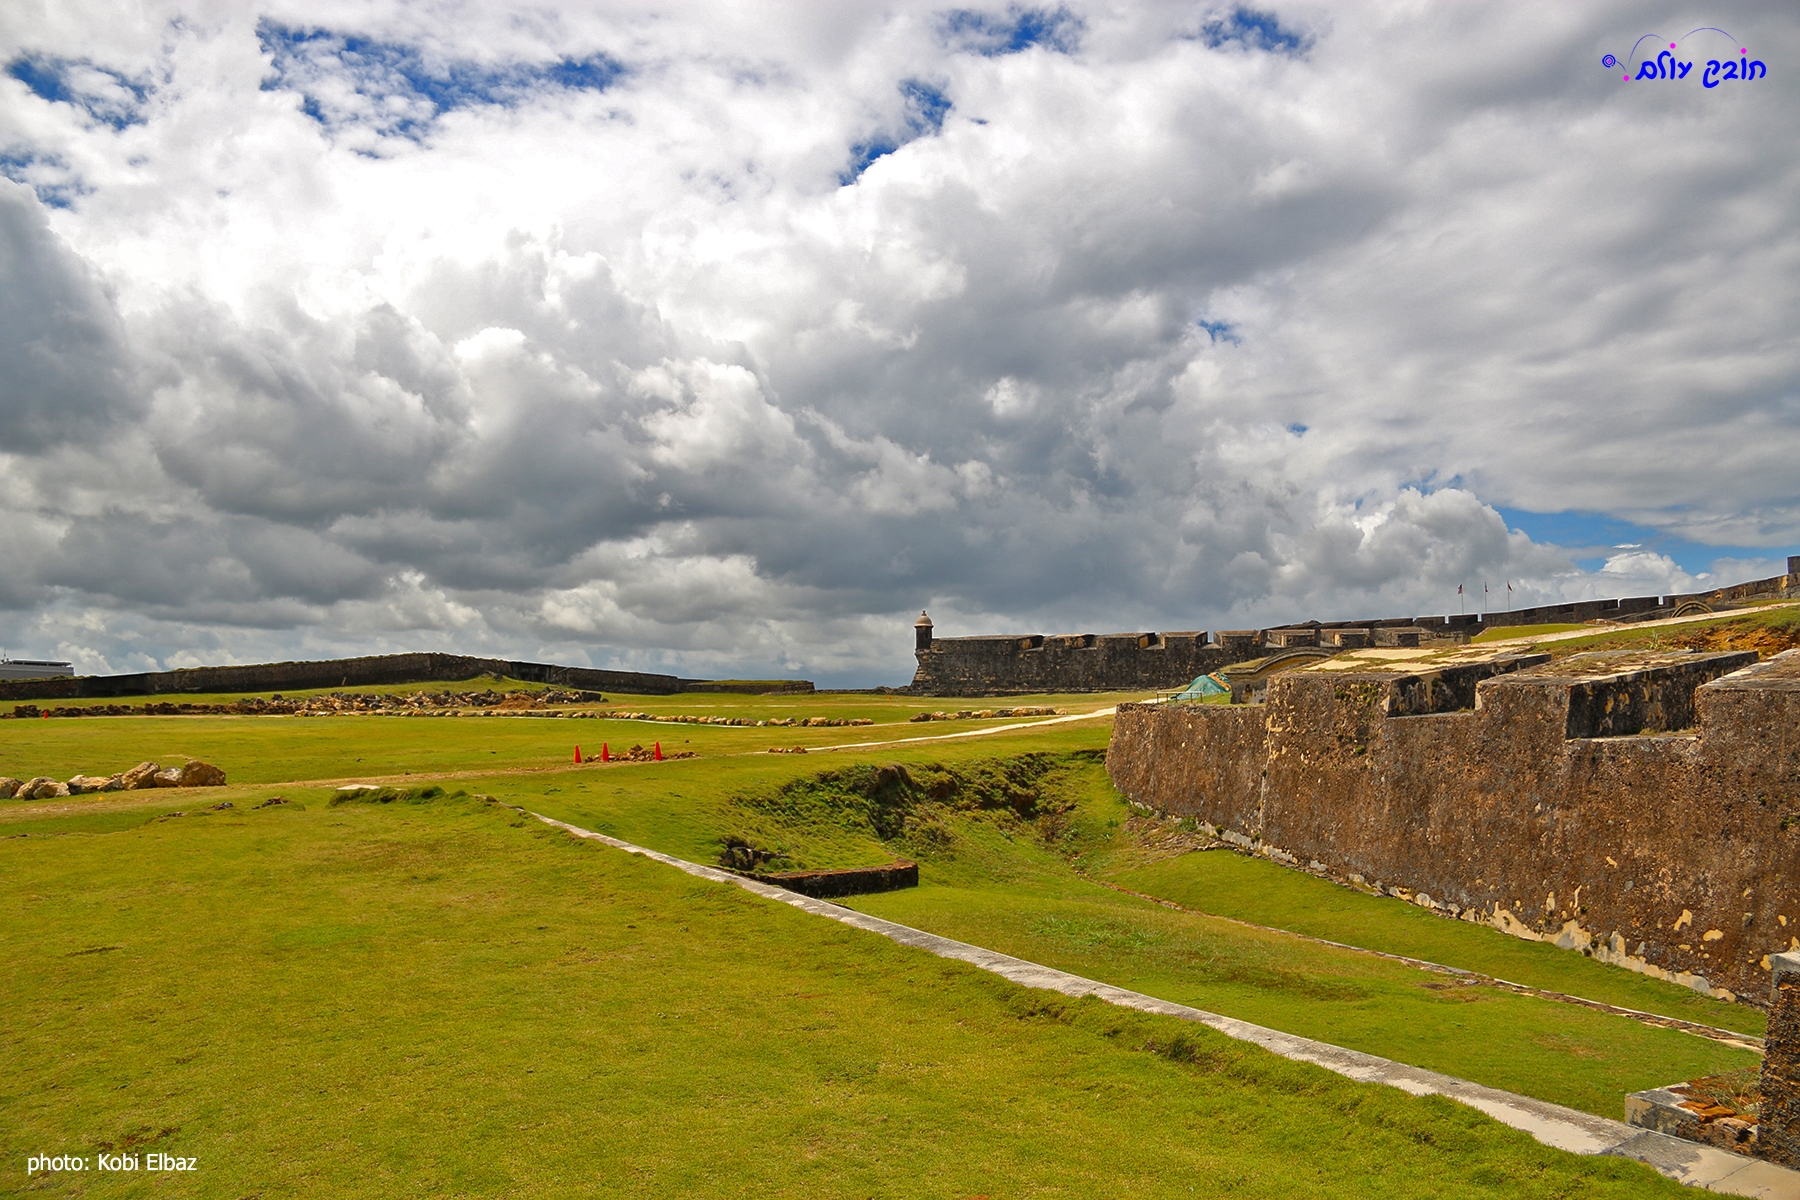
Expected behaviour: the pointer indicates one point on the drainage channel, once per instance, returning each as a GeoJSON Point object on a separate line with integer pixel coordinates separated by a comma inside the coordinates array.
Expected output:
{"type": "Point", "coordinates": [1552, 1124]}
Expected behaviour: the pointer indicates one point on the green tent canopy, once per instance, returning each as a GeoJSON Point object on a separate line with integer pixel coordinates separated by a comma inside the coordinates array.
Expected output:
{"type": "Point", "coordinates": [1202, 687]}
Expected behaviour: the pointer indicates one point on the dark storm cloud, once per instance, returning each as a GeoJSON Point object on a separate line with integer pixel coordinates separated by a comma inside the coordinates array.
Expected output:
{"type": "Point", "coordinates": [64, 370]}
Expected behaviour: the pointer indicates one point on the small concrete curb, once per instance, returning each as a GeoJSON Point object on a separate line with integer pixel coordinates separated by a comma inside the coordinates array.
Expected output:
{"type": "Point", "coordinates": [1564, 1128]}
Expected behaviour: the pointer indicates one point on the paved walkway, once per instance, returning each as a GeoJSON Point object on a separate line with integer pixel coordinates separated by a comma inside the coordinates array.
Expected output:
{"type": "Point", "coordinates": [1634, 626]}
{"type": "Point", "coordinates": [1552, 1124]}
{"type": "Point", "coordinates": [938, 737]}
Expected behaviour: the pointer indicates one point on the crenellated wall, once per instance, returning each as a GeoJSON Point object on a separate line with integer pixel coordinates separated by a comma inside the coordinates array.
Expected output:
{"type": "Point", "coordinates": [1644, 809]}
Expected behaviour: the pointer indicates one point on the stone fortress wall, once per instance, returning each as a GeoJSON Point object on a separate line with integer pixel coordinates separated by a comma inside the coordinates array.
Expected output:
{"type": "Point", "coordinates": [1028, 664]}
{"type": "Point", "coordinates": [1640, 807]}
{"type": "Point", "coordinates": [366, 672]}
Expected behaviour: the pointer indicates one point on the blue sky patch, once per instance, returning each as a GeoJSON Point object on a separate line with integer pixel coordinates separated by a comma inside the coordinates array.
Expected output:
{"type": "Point", "coordinates": [1019, 28]}
{"type": "Point", "coordinates": [1251, 29]}
{"type": "Point", "coordinates": [45, 174]}
{"type": "Point", "coordinates": [1594, 537]}
{"type": "Point", "coordinates": [925, 109]}
{"type": "Point", "coordinates": [108, 97]}
{"type": "Point", "coordinates": [394, 89]}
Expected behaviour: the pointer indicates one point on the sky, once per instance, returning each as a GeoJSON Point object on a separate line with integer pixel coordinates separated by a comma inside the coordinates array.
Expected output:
{"type": "Point", "coordinates": [721, 339]}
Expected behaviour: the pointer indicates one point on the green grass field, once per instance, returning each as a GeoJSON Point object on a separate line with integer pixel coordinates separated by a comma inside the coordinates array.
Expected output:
{"type": "Point", "coordinates": [443, 998]}
{"type": "Point", "coordinates": [448, 1000]}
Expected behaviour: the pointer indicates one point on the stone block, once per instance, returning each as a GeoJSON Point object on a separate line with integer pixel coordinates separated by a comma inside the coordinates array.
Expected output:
{"type": "Point", "coordinates": [200, 774]}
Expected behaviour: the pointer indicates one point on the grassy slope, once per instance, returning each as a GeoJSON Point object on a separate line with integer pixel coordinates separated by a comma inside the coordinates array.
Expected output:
{"type": "Point", "coordinates": [448, 1000]}
{"type": "Point", "coordinates": [1256, 890]}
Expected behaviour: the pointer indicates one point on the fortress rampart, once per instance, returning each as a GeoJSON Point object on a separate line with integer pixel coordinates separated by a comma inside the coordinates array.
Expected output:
{"type": "Point", "coordinates": [1026, 664]}
{"type": "Point", "coordinates": [363, 672]}
{"type": "Point", "coordinates": [1643, 808]}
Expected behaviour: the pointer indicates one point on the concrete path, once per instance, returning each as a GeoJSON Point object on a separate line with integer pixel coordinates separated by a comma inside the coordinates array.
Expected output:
{"type": "Point", "coordinates": [1634, 626]}
{"type": "Point", "coordinates": [938, 737]}
{"type": "Point", "coordinates": [1552, 1124]}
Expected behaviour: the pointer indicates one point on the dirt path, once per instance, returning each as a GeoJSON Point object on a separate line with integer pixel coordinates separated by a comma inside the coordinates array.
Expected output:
{"type": "Point", "coordinates": [941, 737]}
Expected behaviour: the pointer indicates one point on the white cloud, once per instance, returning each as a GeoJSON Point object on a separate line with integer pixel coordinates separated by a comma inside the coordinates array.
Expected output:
{"type": "Point", "coordinates": [551, 330]}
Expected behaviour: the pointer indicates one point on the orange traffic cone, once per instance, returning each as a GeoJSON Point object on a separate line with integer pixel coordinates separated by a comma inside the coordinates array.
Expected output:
{"type": "Point", "coordinates": [604, 756]}
{"type": "Point", "coordinates": [578, 756]}
{"type": "Point", "coordinates": [659, 752]}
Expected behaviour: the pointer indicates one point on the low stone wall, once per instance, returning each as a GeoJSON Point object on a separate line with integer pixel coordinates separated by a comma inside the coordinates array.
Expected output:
{"type": "Point", "coordinates": [1589, 804]}
{"type": "Point", "coordinates": [850, 881]}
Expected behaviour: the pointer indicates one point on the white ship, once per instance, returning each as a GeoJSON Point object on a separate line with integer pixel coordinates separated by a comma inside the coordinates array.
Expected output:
{"type": "Point", "coordinates": [32, 668]}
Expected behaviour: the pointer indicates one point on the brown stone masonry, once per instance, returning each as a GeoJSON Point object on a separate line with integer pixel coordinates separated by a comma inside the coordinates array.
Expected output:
{"type": "Point", "coordinates": [1778, 1125]}
{"type": "Point", "coordinates": [1643, 808]}
{"type": "Point", "coordinates": [1082, 662]}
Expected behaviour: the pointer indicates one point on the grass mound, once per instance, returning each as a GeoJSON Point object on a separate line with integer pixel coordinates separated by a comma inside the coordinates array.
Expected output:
{"type": "Point", "coordinates": [372, 794]}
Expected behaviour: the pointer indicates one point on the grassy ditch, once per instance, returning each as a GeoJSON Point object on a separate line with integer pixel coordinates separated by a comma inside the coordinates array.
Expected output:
{"type": "Point", "coordinates": [1006, 881]}
{"type": "Point", "coordinates": [1003, 845]}
{"type": "Point", "coordinates": [1251, 889]}
{"type": "Point", "coordinates": [445, 998]}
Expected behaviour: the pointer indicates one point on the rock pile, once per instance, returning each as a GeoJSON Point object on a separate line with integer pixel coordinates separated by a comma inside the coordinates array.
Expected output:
{"type": "Point", "coordinates": [983, 714]}
{"type": "Point", "coordinates": [745, 722]}
{"type": "Point", "coordinates": [145, 775]}
{"type": "Point", "coordinates": [640, 754]}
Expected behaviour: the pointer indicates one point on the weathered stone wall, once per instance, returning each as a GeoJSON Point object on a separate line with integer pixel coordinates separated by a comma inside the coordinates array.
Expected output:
{"type": "Point", "coordinates": [1671, 851]}
{"type": "Point", "coordinates": [847, 881]}
{"type": "Point", "coordinates": [1023, 664]}
{"type": "Point", "coordinates": [1029, 664]}
{"type": "Point", "coordinates": [1778, 1117]}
